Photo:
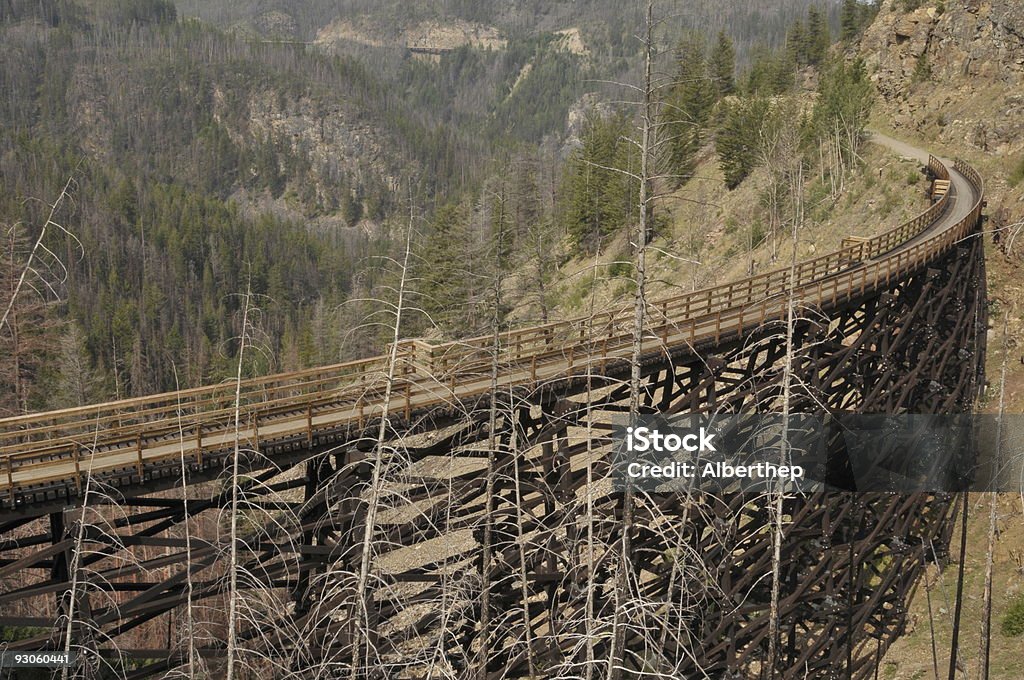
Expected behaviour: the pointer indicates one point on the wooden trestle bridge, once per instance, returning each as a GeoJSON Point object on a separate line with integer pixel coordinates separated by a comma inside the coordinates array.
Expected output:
{"type": "Point", "coordinates": [498, 546]}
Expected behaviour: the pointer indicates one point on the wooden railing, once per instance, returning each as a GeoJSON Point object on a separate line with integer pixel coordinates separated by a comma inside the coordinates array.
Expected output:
{"type": "Point", "coordinates": [60, 446]}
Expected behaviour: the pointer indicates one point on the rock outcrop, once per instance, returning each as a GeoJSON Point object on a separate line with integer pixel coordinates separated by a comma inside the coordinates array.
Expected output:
{"type": "Point", "coordinates": [954, 69]}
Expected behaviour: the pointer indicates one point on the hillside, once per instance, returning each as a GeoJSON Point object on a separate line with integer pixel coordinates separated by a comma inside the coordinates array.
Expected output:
{"type": "Point", "coordinates": [951, 75]}
{"type": "Point", "coordinates": [501, 69]}
{"type": "Point", "coordinates": [198, 166]}
{"type": "Point", "coordinates": [713, 235]}
{"type": "Point", "coordinates": [602, 22]}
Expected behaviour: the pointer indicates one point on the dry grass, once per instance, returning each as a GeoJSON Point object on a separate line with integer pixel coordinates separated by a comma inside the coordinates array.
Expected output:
{"type": "Point", "coordinates": [910, 658]}
{"type": "Point", "coordinates": [716, 230]}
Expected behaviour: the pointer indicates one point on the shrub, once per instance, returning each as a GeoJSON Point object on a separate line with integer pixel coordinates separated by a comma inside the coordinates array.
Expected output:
{"type": "Point", "coordinates": [922, 70]}
{"type": "Point", "coordinates": [758, 233]}
{"type": "Point", "coordinates": [1017, 176]}
{"type": "Point", "coordinates": [16, 633]}
{"type": "Point", "coordinates": [1013, 619]}
{"type": "Point", "coordinates": [620, 269]}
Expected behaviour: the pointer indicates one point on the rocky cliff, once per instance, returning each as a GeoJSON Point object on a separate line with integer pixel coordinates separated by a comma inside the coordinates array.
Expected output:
{"type": "Point", "coordinates": [953, 70]}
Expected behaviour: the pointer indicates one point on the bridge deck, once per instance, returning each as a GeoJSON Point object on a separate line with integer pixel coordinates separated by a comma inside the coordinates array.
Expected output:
{"type": "Point", "coordinates": [57, 449]}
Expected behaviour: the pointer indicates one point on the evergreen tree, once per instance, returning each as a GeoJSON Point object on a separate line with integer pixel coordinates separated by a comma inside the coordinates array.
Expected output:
{"type": "Point", "coordinates": [598, 201]}
{"type": "Point", "coordinates": [524, 196]}
{"type": "Point", "coordinates": [818, 38]}
{"type": "Point", "coordinates": [796, 43]}
{"type": "Point", "coordinates": [845, 98]}
{"type": "Point", "coordinates": [443, 275]}
{"type": "Point", "coordinates": [922, 69]}
{"type": "Point", "coordinates": [738, 137]}
{"type": "Point", "coordinates": [687, 108]}
{"type": "Point", "coordinates": [351, 208]}
{"type": "Point", "coordinates": [849, 20]}
{"type": "Point", "coordinates": [784, 72]}
{"type": "Point", "coordinates": [722, 65]}
{"type": "Point", "coordinates": [771, 72]}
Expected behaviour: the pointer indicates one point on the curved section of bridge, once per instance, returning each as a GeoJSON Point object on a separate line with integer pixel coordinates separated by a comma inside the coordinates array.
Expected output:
{"type": "Point", "coordinates": [496, 542]}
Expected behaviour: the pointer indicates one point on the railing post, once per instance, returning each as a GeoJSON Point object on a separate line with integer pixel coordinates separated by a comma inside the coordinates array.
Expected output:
{"type": "Point", "coordinates": [10, 479]}
{"type": "Point", "coordinates": [199, 444]}
{"type": "Point", "coordinates": [533, 368]}
{"type": "Point", "coordinates": [138, 452]}
{"type": "Point", "coordinates": [309, 425]}
{"type": "Point", "coordinates": [408, 400]}
{"type": "Point", "coordinates": [410, 357]}
{"type": "Point", "coordinates": [78, 468]}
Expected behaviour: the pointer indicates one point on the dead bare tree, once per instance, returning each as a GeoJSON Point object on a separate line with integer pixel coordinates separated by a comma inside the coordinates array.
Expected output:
{"type": "Point", "coordinates": [33, 275]}
{"type": "Point", "coordinates": [74, 568]}
{"type": "Point", "coordinates": [984, 654]}
{"type": "Point", "coordinates": [232, 635]}
{"type": "Point", "coordinates": [793, 163]}
{"type": "Point", "coordinates": [363, 637]}
{"type": "Point", "coordinates": [774, 144]}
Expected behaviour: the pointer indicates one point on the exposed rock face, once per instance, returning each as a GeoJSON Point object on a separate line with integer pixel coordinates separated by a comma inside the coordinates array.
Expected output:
{"type": "Point", "coordinates": [345, 30]}
{"type": "Point", "coordinates": [571, 40]}
{"type": "Point", "coordinates": [276, 24]}
{"type": "Point", "coordinates": [451, 35]}
{"type": "Point", "coordinates": [432, 37]}
{"type": "Point", "coordinates": [589, 104]}
{"type": "Point", "coordinates": [968, 64]}
{"type": "Point", "coordinates": [336, 141]}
